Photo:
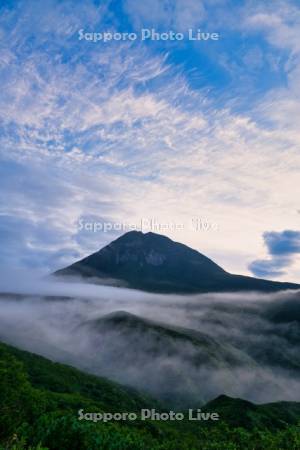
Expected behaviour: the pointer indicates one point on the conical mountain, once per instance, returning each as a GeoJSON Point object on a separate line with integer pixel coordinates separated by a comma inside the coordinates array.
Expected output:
{"type": "Point", "coordinates": [155, 263]}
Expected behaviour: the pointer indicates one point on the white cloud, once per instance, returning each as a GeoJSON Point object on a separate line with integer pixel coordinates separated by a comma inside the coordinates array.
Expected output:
{"type": "Point", "coordinates": [124, 136]}
{"type": "Point", "coordinates": [178, 15]}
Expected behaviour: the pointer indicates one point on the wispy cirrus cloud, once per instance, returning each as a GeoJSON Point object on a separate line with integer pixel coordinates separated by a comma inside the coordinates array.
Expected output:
{"type": "Point", "coordinates": [119, 131]}
{"type": "Point", "coordinates": [178, 14]}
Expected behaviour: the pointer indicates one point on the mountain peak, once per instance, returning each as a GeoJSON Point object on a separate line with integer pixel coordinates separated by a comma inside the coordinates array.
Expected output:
{"type": "Point", "coordinates": [140, 235]}
{"type": "Point", "coordinates": [153, 262]}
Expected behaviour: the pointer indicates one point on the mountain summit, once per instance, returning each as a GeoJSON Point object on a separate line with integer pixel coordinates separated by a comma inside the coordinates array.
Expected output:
{"type": "Point", "coordinates": [155, 263]}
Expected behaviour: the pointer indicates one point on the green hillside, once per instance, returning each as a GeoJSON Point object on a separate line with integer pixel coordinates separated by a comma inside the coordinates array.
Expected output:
{"type": "Point", "coordinates": [39, 403]}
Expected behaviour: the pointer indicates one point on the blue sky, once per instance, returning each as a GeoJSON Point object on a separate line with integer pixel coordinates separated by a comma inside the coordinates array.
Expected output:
{"type": "Point", "coordinates": [175, 132]}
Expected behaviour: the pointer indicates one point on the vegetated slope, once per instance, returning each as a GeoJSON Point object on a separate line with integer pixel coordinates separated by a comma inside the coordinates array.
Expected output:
{"type": "Point", "coordinates": [39, 403]}
{"type": "Point", "coordinates": [239, 412]}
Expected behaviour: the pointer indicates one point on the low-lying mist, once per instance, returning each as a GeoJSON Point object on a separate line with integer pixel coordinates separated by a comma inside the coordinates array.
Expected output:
{"type": "Point", "coordinates": [183, 349]}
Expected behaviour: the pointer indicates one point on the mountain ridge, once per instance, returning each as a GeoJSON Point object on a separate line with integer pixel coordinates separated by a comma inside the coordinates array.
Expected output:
{"type": "Point", "coordinates": [154, 263]}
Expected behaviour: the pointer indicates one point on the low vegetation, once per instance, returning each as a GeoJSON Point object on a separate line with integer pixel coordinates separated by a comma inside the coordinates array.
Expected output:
{"type": "Point", "coordinates": [39, 403]}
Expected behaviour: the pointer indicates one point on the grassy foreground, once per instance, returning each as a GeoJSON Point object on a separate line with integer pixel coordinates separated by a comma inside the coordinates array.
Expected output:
{"type": "Point", "coordinates": [39, 403]}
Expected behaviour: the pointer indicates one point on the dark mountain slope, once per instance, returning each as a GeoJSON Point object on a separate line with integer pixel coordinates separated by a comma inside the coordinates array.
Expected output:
{"type": "Point", "coordinates": [239, 412]}
{"type": "Point", "coordinates": [168, 362]}
{"type": "Point", "coordinates": [162, 340]}
{"type": "Point", "coordinates": [155, 263]}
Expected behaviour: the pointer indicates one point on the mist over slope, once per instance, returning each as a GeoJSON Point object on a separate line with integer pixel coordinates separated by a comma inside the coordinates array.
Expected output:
{"type": "Point", "coordinates": [184, 349]}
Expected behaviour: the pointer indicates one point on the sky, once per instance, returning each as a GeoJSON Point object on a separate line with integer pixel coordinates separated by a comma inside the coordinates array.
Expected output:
{"type": "Point", "coordinates": [196, 139]}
